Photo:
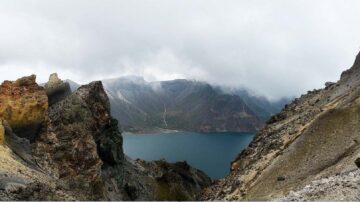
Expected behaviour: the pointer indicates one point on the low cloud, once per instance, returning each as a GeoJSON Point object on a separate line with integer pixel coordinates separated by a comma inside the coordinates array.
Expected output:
{"type": "Point", "coordinates": [278, 48]}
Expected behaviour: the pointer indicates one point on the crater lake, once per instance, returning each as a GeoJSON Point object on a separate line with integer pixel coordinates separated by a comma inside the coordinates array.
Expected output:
{"type": "Point", "coordinates": [209, 152]}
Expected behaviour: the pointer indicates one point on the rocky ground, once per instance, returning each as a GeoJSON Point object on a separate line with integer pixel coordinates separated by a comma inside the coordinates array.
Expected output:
{"type": "Point", "coordinates": [344, 186]}
{"type": "Point", "coordinates": [59, 145]}
{"type": "Point", "coordinates": [315, 136]}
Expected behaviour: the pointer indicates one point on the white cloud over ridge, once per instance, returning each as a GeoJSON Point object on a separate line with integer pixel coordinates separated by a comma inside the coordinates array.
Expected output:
{"type": "Point", "coordinates": [277, 48]}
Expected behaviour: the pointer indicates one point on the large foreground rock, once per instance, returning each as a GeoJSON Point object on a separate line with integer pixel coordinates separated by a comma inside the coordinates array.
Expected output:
{"type": "Point", "coordinates": [24, 105]}
{"type": "Point", "coordinates": [77, 137]}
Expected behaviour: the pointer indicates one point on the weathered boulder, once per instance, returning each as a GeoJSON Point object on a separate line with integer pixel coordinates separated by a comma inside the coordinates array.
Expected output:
{"type": "Point", "coordinates": [24, 105]}
{"type": "Point", "coordinates": [56, 89]}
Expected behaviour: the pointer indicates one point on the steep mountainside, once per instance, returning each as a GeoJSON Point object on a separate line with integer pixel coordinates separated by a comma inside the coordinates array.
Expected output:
{"type": "Point", "coordinates": [261, 105]}
{"type": "Point", "coordinates": [314, 140]}
{"type": "Point", "coordinates": [76, 152]}
{"type": "Point", "coordinates": [181, 105]}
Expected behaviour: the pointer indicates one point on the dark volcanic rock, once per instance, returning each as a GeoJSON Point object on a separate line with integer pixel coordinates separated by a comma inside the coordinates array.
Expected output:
{"type": "Point", "coordinates": [20, 146]}
{"type": "Point", "coordinates": [56, 89]}
{"type": "Point", "coordinates": [109, 144]}
{"type": "Point", "coordinates": [357, 162]}
{"type": "Point", "coordinates": [69, 145]}
{"type": "Point", "coordinates": [176, 181]}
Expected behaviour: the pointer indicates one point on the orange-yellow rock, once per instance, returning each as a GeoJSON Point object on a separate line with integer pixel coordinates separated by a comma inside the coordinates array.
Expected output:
{"type": "Point", "coordinates": [24, 105]}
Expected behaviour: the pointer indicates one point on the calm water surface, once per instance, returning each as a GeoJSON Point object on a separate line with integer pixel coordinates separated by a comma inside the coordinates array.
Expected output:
{"type": "Point", "coordinates": [209, 152]}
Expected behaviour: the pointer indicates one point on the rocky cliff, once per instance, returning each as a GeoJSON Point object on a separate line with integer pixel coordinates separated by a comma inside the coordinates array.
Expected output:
{"type": "Point", "coordinates": [313, 139]}
{"type": "Point", "coordinates": [76, 153]}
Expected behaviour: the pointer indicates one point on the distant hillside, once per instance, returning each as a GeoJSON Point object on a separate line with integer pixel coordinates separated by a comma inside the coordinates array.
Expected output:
{"type": "Point", "coordinates": [263, 107]}
{"type": "Point", "coordinates": [73, 85]}
{"type": "Point", "coordinates": [183, 105]}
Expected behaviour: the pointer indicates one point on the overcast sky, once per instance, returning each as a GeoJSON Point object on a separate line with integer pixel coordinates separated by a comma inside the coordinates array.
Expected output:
{"type": "Point", "coordinates": [277, 48]}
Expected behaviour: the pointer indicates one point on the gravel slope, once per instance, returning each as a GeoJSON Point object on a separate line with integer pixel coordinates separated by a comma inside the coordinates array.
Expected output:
{"type": "Point", "coordinates": [340, 187]}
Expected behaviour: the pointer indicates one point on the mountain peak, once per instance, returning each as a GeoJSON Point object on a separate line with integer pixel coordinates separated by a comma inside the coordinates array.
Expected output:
{"type": "Point", "coordinates": [357, 61]}
{"type": "Point", "coordinates": [352, 75]}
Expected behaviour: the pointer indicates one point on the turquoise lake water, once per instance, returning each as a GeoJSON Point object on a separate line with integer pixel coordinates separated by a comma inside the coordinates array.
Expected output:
{"type": "Point", "coordinates": [209, 152]}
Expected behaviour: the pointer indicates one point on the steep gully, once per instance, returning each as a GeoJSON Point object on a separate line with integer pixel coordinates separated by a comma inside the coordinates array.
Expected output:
{"type": "Point", "coordinates": [164, 117]}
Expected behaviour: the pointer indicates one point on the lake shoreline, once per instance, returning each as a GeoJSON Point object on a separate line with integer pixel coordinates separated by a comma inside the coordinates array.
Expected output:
{"type": "Point", "coordinates": [169, 131]}
{"type": "Point", "coordinates": [209, 152]}
{"type": "Point", "coordinates": [152, 131]}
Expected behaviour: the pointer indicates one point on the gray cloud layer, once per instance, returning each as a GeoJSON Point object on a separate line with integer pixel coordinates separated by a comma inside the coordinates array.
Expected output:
{"type": "Point", "coordinates": [277, 48]}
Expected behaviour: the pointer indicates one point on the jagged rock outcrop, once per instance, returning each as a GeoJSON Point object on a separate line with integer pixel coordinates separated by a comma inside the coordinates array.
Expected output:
{"type": "Point", "coordinates": [83, 142]}
{"type": "Point", "coordinates": [77, 154]}
{"type": "Point", "coordinates": [56, 89]}
{"type": "Point", "coordinates": [23, 104]}
{"type": "Point", "coordinates": [68, 145]}
{"type": "Point", "coordinates": [315, 136]}
{"type": "Point", "coordinates": [178, 181]}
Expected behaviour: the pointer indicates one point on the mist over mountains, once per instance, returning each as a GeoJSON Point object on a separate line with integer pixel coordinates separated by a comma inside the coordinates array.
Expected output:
{"type": "Point", "coordinates": [186, 105]}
